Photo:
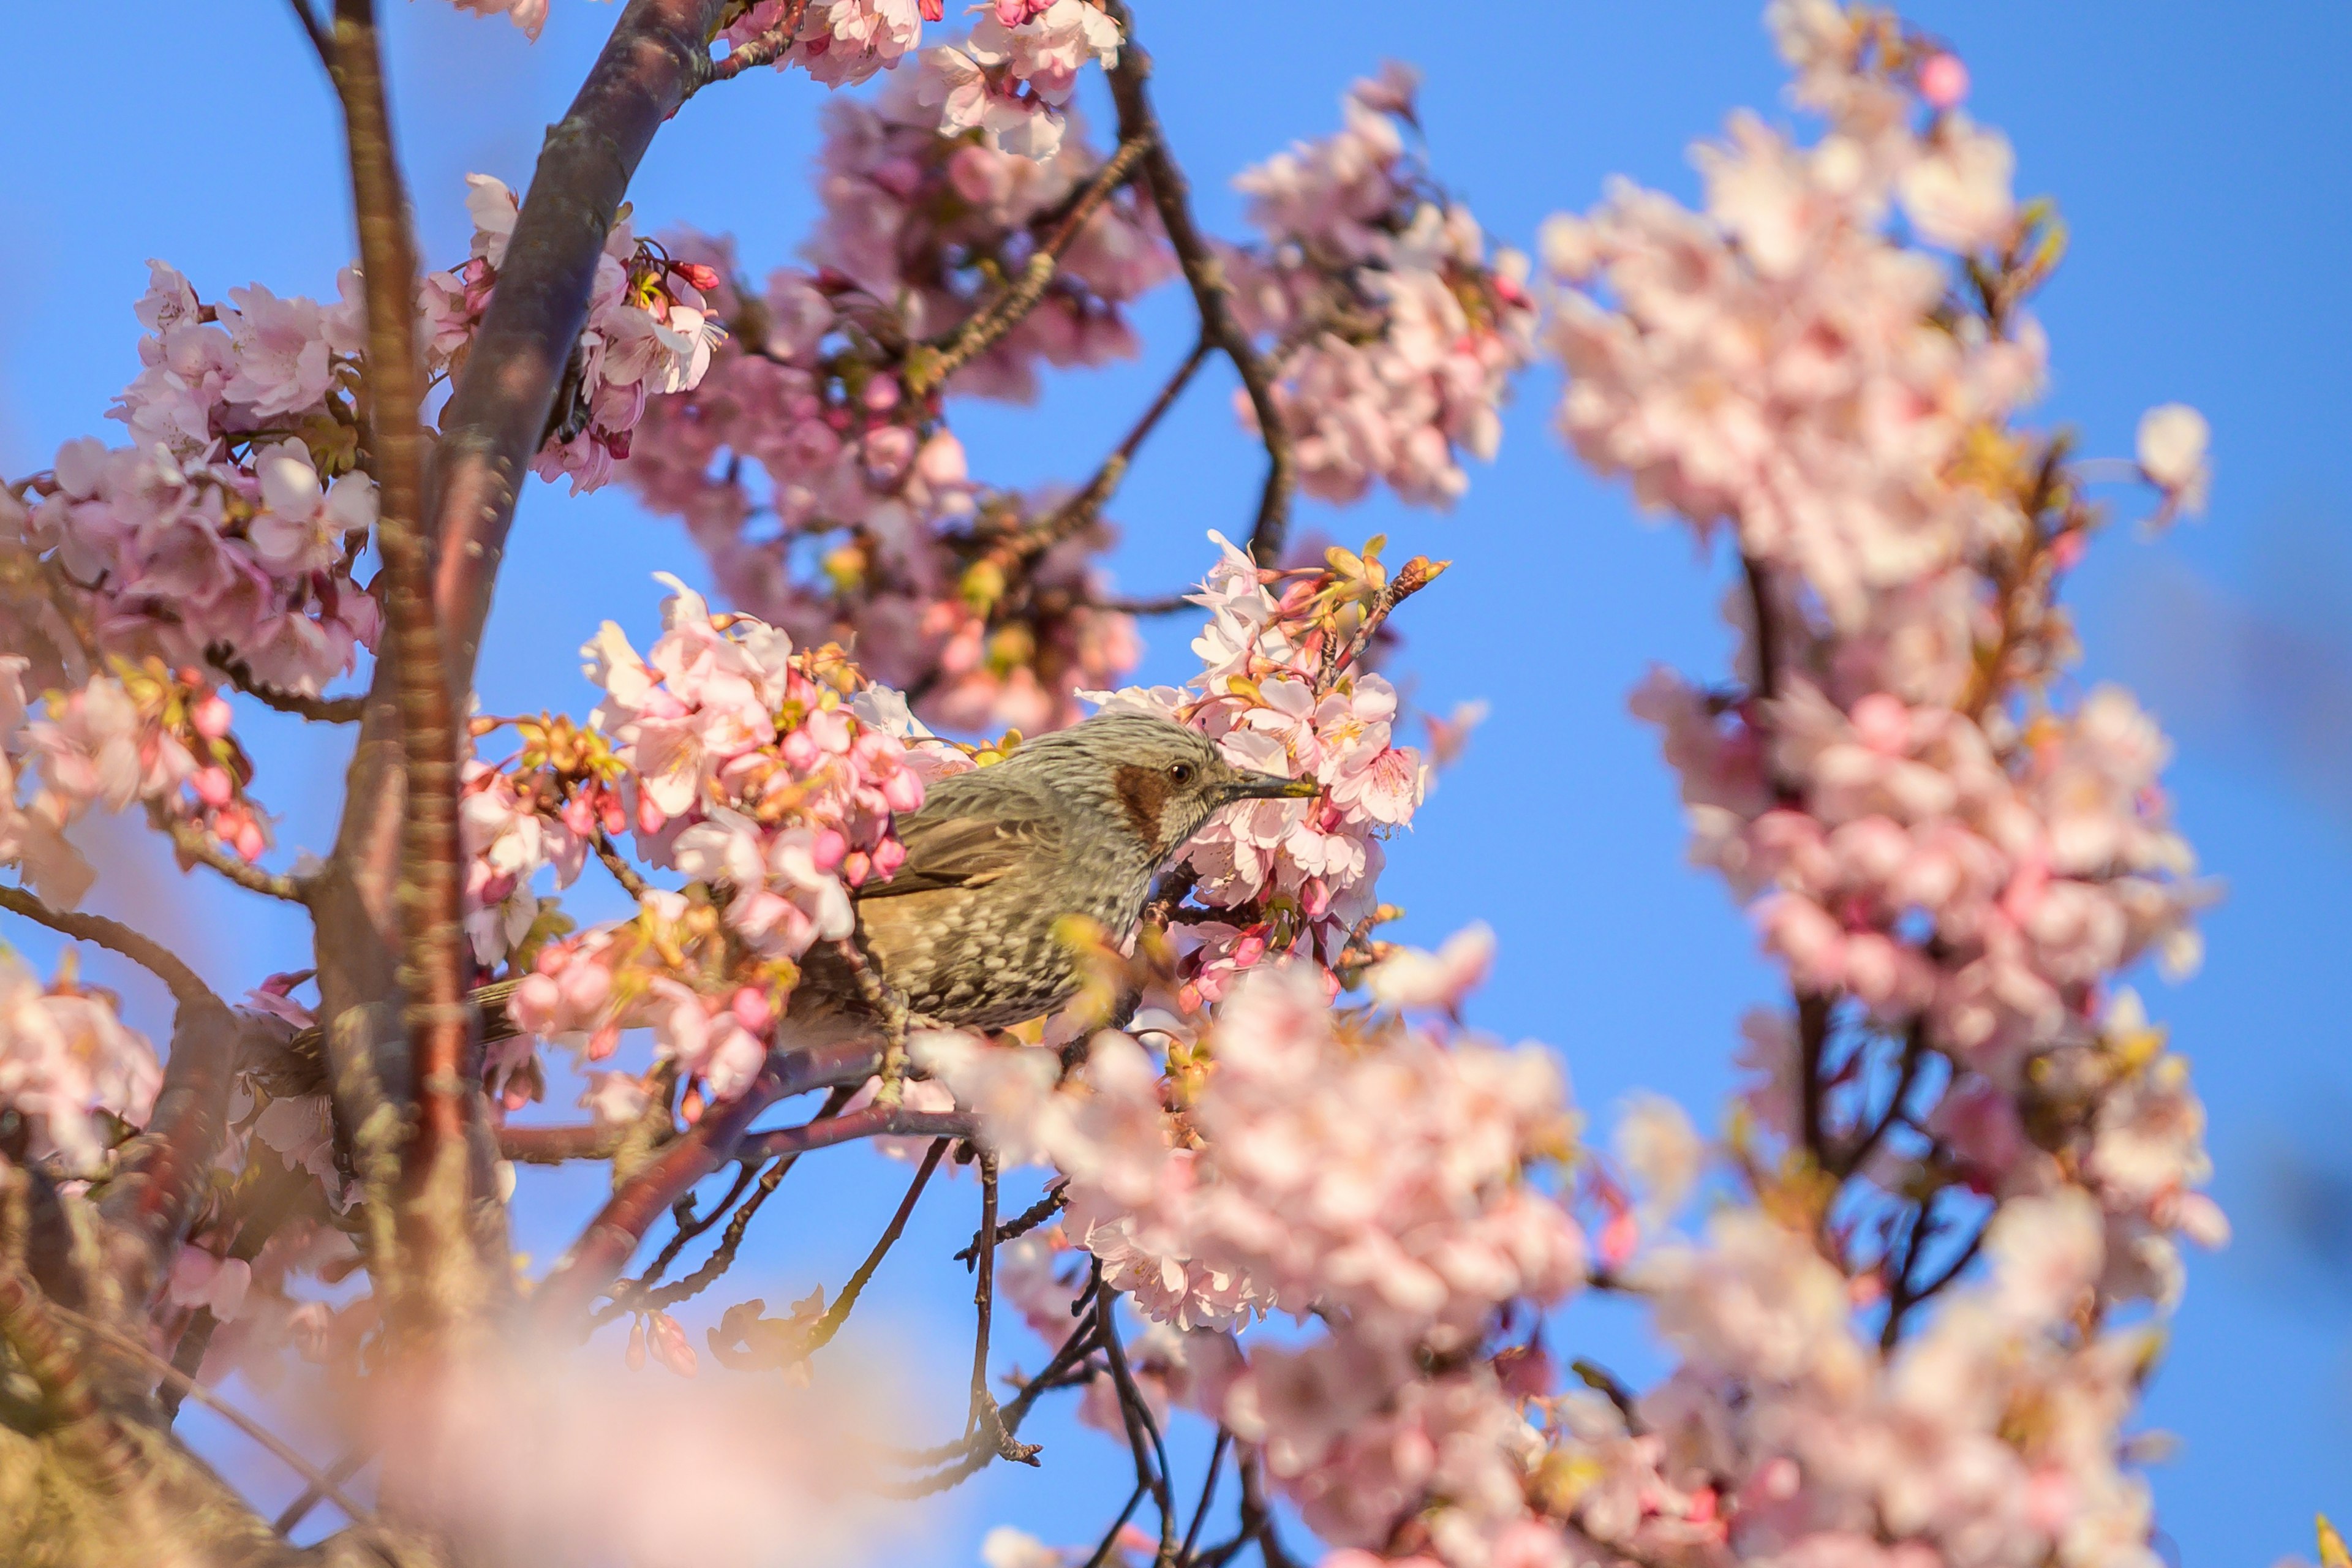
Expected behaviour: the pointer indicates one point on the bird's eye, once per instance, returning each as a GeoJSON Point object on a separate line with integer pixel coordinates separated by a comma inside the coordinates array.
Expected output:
{"type": "Point", "coordinates": [1181, 772]}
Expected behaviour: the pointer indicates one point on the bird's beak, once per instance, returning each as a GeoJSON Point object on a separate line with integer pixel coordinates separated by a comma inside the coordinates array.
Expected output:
{"type": "Point", "coordinates": [1270, 787]}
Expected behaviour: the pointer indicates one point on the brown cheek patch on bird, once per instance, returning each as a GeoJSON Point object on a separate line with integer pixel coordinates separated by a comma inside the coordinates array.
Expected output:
{"type": "Point", "coordinates": [1143, 794]}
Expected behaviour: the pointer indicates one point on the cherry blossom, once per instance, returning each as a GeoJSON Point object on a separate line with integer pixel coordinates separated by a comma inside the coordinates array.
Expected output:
{"type": "Point", "coordinates": [65, 1059]}
{"type": "Point", "coordinates": [1394, 334]}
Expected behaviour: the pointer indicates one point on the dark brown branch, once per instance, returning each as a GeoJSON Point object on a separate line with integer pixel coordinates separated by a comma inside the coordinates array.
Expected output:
{"type": "Point", "coordinates": [1167, 605]}
{"type": "Point", "coordinates": [436, 1189]}
{"type": "Point", "coordinates": [598, 1257]}
{"type": "Point", "coordinates": [657, 52]}
{"type": "Point", "coordinates": [821, 1333]}
{"type": "Point", "coordinates": [968, 1456]}
{"type": "Point", "coordinates": [1140, 1421]}
{"type": "Point", "coordinates": [765, 49]}
{"type": "Point", "coordinates": [354, 1459]}
{"type": "Point", "coordinates": [929, 364]}
{"type": "Point", "coordinates": [722, 1257]}
{"type": "Point", "coordinates": [873, 1122]}
{"type": "Point", "coordinates": [1208, 1495]}
{"type": "Point", "coordinates": [1768, 650]}
{"type": "Point", "coordinates": [1081, 510]}
{"type": "Point", "coordinates": [1812, 1048]}
{"type": "Point", "coordinates": [114, 936]}
{"type": "Point", "coordinates": [623, 872]}
{"type": "Point", "coordinates": [315, 33]}
{"type": "Point", "coordinates": [1021, 1224]}
{"type": "Point", "coordinates": [318, 709]}
{"type": "Point", "coordinates": [1212, 292]}
{"type": "Point", "coordinates": [1915, 1053]}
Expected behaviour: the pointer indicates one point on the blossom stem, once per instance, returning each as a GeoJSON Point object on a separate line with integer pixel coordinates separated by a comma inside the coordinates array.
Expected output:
{"type": "Point", "coordinates": [317, 710]}
{"type": "Point", "coordinates": [765, 49]}
{"type": "Point", "coordinates": [198, 848]}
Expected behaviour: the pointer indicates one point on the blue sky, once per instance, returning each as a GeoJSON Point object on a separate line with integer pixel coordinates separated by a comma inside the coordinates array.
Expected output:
{"type": "Point", "coordinates": [2198, 158]}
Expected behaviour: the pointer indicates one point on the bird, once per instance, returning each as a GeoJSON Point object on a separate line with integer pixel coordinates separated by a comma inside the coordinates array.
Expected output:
{"type": "Point", "coordinates": [1076, 822]}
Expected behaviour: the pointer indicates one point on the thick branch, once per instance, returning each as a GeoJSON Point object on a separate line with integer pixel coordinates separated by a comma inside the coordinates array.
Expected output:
{"type": "Point", "coordinates": [1212, 293]}
{"type": "Point", "coordinates": [489, 430]}
{"type": "Point", "coordinates": [874, 1122]}
{"type": "Point", "coordinates": [435, 1209]}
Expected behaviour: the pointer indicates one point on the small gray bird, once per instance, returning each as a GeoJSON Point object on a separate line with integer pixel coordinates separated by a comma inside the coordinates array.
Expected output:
{"type": "Point", "coordinates": [1078, 822]}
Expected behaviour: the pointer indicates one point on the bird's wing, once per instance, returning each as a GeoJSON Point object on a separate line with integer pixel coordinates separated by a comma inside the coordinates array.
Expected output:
{"type": "Point", "coordinates": [957, 851]}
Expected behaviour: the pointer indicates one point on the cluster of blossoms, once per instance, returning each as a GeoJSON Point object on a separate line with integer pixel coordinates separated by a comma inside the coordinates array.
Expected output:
{"type": "Point", "coordinates": [834, 502]}
{"type": "Point", "coordinates": [235, 518]}
{"type": "Point", "coordinates": [1951, 864]}
{"type": "Point", "coordinates": [734, 762]}
{"type": "Point", "coordinates": [841, 43]}
{"type": "Point", "coordinates": [1393, 334]}
{"type": "Point", "coordinates": [1013, 78]}
{"type": "Point", "coordinates": [1343, 1166]}
{"type": "Point", "coordinates": [67, 1060]}
{"type": "Point", "coordinates": [650, 330]}
{"type": "Point", "coordinates": [138, 734]}
{"type": "Point", "coordinates": [1282, 693]}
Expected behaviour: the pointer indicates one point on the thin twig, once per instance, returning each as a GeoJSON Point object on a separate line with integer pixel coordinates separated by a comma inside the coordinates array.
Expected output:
{"type": "Point", "coordinates": [970, 1456]}
{"type": "Point", "coordinates": [196, 847]}
{"type": "Point", "coordinates": [872, 1121]}
{"type": "Point", "coordinates": [1208, 1492]}
{"type": "Point", "coordinates": [113, 935]}
{"type": "Point", "coordinates": [821, 1333]}
{"type": "Point", "coordinates": [284, 1453]}
{"type": "Point", "coordinates": [929, 364]}
{"type": "Point", "coordinates": [1212, 291]}
{"type": "Point", "coordinates": [623, 872]}
{"type": "Point", "coordinates": [1132, 1397]}
{"type": "Point", "coordinates": [730, 1240]}
{"type": "Point", "coordinates": [1110, 1536]}
{"type": "Point", "coordinates": [1021, 1224]}
{"type": "Point", "coordinates": [342, 1469]}
{"type": "Point", "coordinates": [1167, 605]}
{"type": "Point", "coordinates": [315, 33]}
{"type": "Point", "coordinates": [768, 47]}
{"type": "Point", "coordinates": [223, 657]}
{"type": "Point", "coordinates": [1914, 1052]}
{"type": "Point", "coordinates": [1081, 510]}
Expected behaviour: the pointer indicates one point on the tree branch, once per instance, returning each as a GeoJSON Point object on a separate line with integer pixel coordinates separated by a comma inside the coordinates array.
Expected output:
{"type": "Point", "coordinates": [1212, 293]}
{"type": "Point", "coordinates": [115, 937]}
{"type": "Point", "coordinates": [873, 1122]}
{"type": "Point", "coordinates": [197, 847]}
{"type": "Point", "coordinates": [223, 657]}
{"type": "Point", "coordinates": [453, 1279]}
{"type": "Point", "coordinates": [765, 49]}
{"type": "Point", "coordinates": [821, 1333]}
{"type": "Point", "coordinates": [162, 1178]}
{"type": "Point", "coordinates": [284, 1452]}
{"type": "Point", "coordinates": [598, 1257]}
{"type": "Point", "coordinates": [930, 364]}
{"type": "Point", "coordinates": [315, 33]}
{"type": "Point", "coordinates": [656, 54]}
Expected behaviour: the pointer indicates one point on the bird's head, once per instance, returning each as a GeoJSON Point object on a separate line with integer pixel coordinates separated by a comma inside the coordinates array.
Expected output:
{"type": "Point", "coordinates": [1150, 776]}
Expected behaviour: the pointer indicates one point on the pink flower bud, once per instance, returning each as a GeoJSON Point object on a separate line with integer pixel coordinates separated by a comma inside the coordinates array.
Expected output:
{"type": "Point", "coordinates": [214, 786]}
{"type": "Point", "coordinates": [903, 790]}
{"type": "Point", "coordinates": [888, 856]}
{"type": "Point", "coordinates": [585, 988]}
{"type": "Point", "coordinates": [1943, 82]}
{"type": "Point", "coordinates": [704, 279]}
{"type": "Point", "coordinates": [749, 1005]}
{"type": "Point", "coordinates": [213, 716]}
{"type": "Point", "coordinates": [579, 816]}
{"type": "Point", "coordinates": [249, 841]}
{"type": "Point", "coordinates": [856, 867]}
{"type": "Point", "coordinates": [496, 888]}
{"type": "Point", "coordinates": [535, 1001]}
{"type": "Point", "coordinates": [826, 847]}
{"type": "Point", "coordinates": [637, 1353]}
{"type": "Point", "coordinates": [605, 1042]}
{"type": "Point", "coordinates": [1882, 723]}
{"type": "Point", "coordinates": [650, 817]}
